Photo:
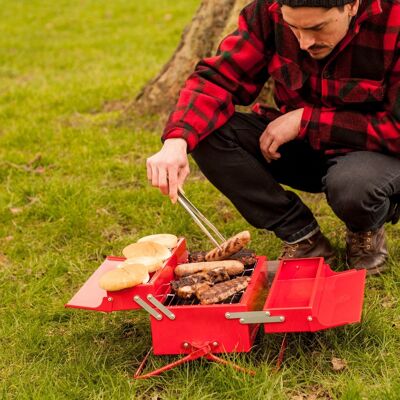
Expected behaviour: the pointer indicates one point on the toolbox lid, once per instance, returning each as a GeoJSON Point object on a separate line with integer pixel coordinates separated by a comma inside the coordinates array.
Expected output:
{"type": "Point", "coordinates": [91, 296]}
{"type": "Point", "coordinates": [342, 299]}
{"type": "Point", "coordinates": [306, 295]}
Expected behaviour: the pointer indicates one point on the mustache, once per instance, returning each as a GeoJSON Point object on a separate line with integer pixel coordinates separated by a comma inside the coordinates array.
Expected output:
{"type": "Point", "coordinates": [317, 47]}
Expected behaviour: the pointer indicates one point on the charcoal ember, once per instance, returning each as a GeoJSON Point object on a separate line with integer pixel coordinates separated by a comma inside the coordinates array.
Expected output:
{"type": "Point", "coordinates": [222, 291]}
{"type": "Point", "coordinates": [245, 256]}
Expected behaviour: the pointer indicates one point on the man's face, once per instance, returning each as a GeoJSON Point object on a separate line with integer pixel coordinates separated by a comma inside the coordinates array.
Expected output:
{"type": "Point", "coordinates": [319, 29]}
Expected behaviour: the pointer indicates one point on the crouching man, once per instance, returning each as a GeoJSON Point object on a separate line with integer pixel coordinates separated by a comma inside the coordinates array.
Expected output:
{"type": "Point", "coordinates": [336, 69]}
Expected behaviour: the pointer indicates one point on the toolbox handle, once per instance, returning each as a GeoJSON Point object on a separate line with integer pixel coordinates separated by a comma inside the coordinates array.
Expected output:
{"type": "Point", "coordinates": [161, 307]}
{"type": "Point", "coordinates": [164, 310]}
{"type": "Point", "coordinates": [255, 317]}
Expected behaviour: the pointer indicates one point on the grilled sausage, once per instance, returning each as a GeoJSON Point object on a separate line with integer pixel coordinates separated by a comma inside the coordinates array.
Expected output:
{"type": "Point", "coordinates": [245, 256]}
{"type": "Point", "coordinates": [231, 246]}
{"type": "Point", "coordinates": [232, 267]}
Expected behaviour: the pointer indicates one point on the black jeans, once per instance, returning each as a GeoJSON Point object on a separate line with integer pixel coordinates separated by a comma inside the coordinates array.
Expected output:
{"type": "Point", "coordinates": [361, 187]}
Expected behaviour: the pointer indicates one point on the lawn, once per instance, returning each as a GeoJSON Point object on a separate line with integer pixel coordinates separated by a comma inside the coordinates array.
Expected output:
{"type": "Point", "coordinates": [74, 189]}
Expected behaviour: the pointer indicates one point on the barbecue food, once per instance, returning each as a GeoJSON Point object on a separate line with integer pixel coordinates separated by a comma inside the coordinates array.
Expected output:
{"type": "Point", "coordinates": [152, 263]}
{"type": "Point", "coordinates": [245, 256]}
{"type": "Point", "coordinates": [165, 239]}
{"type": "Point", "coordinates": [212, 277]}
{"type": "Point", "coordinates": [232, 267]}
{"type": "Point", "coordinates": [125, 277]}
{"type": "Point", "coordinates": [222, 291]}
{"type": "Point", "coordinates": [190, 285]}
{"type": "Point", "coordinates": [146, 249]}
{"type": "Point", "coordinates": [231, 246]}
{"type": "Point", "coordinates": [189, 280]}
{"type": "Point", "coordinates": [187, 292]}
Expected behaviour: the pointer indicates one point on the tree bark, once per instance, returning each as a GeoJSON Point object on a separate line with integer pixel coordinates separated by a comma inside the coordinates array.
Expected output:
{"type": "Point", "coordinates": [213, 20]}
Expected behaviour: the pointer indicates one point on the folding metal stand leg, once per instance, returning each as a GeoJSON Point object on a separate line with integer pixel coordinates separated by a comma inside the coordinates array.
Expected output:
{"type": "Point", "coordinates": [198, 352]}
{"type": "Point", "coordinates": [281, 353]}
{"type": "Point", "coordinates": [220, 360]}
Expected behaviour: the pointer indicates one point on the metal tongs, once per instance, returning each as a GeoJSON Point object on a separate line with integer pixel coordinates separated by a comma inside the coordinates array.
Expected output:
{"type": "Point", "coordinates": [200, 219]}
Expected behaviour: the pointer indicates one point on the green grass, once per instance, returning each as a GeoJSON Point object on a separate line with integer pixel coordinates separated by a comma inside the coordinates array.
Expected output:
{"type": "Point", "coordinates": [73, 190]}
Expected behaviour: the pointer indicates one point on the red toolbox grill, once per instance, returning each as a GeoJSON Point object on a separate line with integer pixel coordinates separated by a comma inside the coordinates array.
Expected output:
{"type": "Point", "coordinates": [306, 295]}
{"type": "Point", "coordinates": [197, 325]}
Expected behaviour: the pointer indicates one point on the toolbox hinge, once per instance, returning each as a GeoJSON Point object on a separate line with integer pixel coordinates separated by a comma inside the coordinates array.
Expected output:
{"type": "Point", "coordinates": [255, 317]}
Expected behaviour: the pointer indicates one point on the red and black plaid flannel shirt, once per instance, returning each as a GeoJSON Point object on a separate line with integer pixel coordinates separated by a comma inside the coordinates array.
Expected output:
{"type": "Point", "coordinates": [351, 99]}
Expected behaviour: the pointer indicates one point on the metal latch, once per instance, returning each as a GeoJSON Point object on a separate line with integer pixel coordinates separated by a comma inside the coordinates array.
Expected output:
{"type": "Point", "coordinates": [255, 317]}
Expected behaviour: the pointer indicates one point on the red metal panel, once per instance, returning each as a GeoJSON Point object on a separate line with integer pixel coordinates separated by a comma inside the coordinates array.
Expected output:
{"type": "Point", "coordinates": [91, 297]}
{"type": "Point", "coordinates": [342, 299]}
{"type": "Point", "coordinates": [310, 296]}
{"type": "Point", "coordinates": [199, 325]}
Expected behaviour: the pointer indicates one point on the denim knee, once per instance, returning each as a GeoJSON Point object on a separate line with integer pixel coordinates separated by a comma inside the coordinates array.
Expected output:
{"type": "Point", "coordinates": [360, 203]}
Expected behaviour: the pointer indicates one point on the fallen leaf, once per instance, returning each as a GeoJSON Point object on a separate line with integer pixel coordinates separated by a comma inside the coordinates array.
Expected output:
{"type": "Point", "coordinates": [388, 302]}
{"type": "Point", "coordinates": [316, 393]}
{"type": "Point", "coordinates": [32, 200]}
{"type": "Point", "coordinates": [16, 210]}
{"type": "Point", "coordinates": [40, 170]}
{"type": "Point", "coordinates": [338, 364]}
{"type": "Point", "coordinates": [35, 160]}
{"type": "Point", "coordinates": [305, 397]}
{"type": "Point", "coordinates": [102, 211]}
{"type": "Point", "coordinates": [9, 238]}
{"type": "Point", "coordinates": [167, 17]}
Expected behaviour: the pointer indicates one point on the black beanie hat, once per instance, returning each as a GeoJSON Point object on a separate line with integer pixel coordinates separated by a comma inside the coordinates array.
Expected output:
{"type": "Point", "coordinates": [314, 3]}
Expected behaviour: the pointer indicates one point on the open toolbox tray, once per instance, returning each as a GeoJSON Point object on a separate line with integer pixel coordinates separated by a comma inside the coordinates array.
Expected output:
{"type": "Point", "coordinates": [305, 295]}
{"type": "Point", "coordinates": [91, 297]}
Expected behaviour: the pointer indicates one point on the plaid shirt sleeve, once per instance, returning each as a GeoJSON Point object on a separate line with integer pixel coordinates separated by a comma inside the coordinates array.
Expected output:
{"type": "Point", "coordinates": [330, 128]}
{"type": "Point", "coordinates": [235, 75]}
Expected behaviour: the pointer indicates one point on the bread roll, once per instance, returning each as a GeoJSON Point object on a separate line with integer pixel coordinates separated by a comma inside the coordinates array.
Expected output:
{"type": "Point", "coordinates": [230, 247]}
{"type": "Point", "coordinates": [152, 263]}
{"type": "Point", "coordinates": [232, 267]}
{"type": "Point", "coordinates": [146, 249]}
{"type": "Point", "coordinates": [125, 277]}
{"type": "Point", "coordinates": [166, 239]}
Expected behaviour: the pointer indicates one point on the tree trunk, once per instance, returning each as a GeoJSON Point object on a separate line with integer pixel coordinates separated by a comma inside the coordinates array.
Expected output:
{"type": "Point", "coordinates": [213, 20]}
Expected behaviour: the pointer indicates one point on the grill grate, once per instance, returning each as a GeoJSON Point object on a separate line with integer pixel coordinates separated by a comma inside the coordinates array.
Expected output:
{"type": "Point", "coordinates": [173, 300]}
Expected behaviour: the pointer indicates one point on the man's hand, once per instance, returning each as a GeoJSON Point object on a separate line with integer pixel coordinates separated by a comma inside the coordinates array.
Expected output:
{"type": "Point", "coordinates": [281, 130]}
{"type": "Point", "coordinates": [169, 168]}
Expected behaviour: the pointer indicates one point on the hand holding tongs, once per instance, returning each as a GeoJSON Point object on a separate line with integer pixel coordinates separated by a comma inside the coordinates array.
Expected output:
{"type": "Point", "coordinates": [199, 218]}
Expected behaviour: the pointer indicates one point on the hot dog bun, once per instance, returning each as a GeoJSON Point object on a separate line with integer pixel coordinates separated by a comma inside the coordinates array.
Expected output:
{"type": "Point", "coordinates": [152, 263]}
{"type": "Point", "coordinates": [146, 249]}
{"type": "Point", "coordinates": [166, 239]}
{"type": "Point", "coordinates": [125, 277]}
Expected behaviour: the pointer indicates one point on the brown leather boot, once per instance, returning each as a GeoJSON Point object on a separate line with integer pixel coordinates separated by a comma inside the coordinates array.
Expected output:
{"type": "Point", "coordinates": [367, 250]}
{"type": "Point", "coordinates": [315, 246]}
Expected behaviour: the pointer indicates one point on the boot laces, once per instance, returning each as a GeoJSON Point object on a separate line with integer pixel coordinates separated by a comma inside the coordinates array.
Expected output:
{"type": "Point", "coordinates": [361, 240]}
{"type": "Point", "coordinates": [289, 250]}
